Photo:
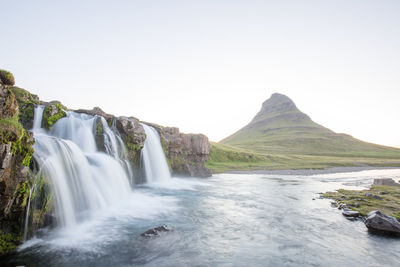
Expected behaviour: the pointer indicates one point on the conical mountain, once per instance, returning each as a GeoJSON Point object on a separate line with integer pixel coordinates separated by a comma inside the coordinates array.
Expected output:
{"type": "Point", "coordinates": [280, 127]}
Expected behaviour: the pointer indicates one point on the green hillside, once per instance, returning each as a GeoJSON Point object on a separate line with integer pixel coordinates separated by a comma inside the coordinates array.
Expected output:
{"type": "Point", "coordinates": [280, 136]}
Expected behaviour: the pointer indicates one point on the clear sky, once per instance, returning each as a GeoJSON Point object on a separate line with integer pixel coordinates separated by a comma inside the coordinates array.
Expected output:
{"type": "Point", "coordinates": [207, 66]}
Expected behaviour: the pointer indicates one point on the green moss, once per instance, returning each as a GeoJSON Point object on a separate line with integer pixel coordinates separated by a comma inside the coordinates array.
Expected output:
{"type": "Point", "coordinates": [383, 198]}
{"type": "Point", "coordinates": [7, 77]}
{"type": "Point", "coordinates": [9, 242]}
{"type": "Point", "coordinates": [26, 103]}
{"type": "Point", "coordinates": [48, 119]}
{"type": "Point", "coordinates": [23, 96]}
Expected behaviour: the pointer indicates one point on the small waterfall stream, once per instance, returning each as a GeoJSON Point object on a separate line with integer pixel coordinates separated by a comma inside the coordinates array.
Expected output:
{"type": "Point", "coordinates": [155, 164]}
{"type": "Point", "coordinates": [83, 179]}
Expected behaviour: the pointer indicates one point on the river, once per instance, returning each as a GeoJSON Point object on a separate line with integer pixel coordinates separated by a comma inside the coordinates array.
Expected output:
{"type": "Point", "coordinates": [227, 220]}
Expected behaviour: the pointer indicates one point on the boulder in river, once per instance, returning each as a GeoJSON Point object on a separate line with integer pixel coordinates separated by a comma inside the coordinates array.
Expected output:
{"type": "Point", "coordinates": [351, 213]}
{"type": "Point", "coordinates": [156, 231]}
{"type": "Point", "coordinates": [381, 223]}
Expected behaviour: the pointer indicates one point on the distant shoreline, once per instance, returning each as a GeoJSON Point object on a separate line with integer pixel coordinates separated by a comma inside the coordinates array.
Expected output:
{"type": "Point", "coordinates": [312, 171]}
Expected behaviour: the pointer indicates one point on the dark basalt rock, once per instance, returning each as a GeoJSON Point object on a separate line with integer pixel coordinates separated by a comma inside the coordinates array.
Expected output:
{"type": "Point", "coordinates": [351, 213]}
{"type": "Point", "coordinates": [156, 231]}
{"type": "Point", "coordinates": [378, 222]}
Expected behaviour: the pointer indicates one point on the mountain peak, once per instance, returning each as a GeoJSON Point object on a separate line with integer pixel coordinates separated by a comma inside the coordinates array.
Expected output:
{"type": "Point", "coordinates": [277, 103]}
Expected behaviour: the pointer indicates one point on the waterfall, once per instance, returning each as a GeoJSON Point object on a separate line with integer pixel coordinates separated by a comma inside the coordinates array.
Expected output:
{"type": "Point", "coordinates": [83, 179]}
{"type": "Point", "coordinates": [153, 157]}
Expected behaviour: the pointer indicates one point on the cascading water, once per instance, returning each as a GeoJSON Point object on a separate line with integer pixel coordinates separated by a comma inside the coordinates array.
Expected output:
{"type": "Point", "coordinates": [153, 157]}
{"type": "Point", "coordinates": [84, 180]}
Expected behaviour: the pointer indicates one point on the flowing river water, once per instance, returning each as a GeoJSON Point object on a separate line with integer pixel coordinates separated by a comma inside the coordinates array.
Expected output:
{"type": "Point", "coordinates": [227, 220]}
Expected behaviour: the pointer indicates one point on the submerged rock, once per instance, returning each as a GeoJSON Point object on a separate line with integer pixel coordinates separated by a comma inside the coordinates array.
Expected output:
{"type": "Point", "coordinates": [157, 231]}
{"type": "Point", "coordinates": [381, 223]}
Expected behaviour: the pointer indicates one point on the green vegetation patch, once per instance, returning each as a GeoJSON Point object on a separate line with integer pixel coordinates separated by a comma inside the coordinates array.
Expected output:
{"type": "Point", "coordinates": [9, 242]}
{"type": "Point", "coordinates": [10, 130]}
{"type": "Point", "coordinates": [23, 96]}
{"type": "Point", "coordinates": [378, 197]}
{"type": "Point", "coordinates": [7, 77]}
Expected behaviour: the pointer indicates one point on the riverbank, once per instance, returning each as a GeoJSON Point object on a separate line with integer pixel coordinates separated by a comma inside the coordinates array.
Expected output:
{"type": "Point", "coordinates": [379, 197]}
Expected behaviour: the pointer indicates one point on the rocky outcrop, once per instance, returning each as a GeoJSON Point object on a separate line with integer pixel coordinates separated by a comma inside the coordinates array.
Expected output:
{"type": "Point", "coordinates": [379, 222]}
{"type": "Point", "coordinates": [6, 78]}
{"type": "Point", "coordinates": [15, 156]}
{"type": "Point", "coordinates": [96, 111]}
{"type": "Point", "coordinates": [186, 153]}
{"type": "Point", "coordinates": [26, 104]}
{"type": "Point", "coordinates": [385, 181]}
{"type": "Point", "coordinates": [52, 113]}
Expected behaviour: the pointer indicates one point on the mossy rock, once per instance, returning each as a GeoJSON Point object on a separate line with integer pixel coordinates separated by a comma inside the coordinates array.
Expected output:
{"type": "Point", "coordinates": [7, 77]}
{"type": "Point", "coordinates": [23, 96]}
{"type": "Point", "coordinates": [26, 102]}
{"type": "Point", "coordinates": [52, 113]}
{"type": "Point", "coordinates": [10, 130]}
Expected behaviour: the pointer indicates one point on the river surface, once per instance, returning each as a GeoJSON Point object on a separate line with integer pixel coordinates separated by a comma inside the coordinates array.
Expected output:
{"type": "Point", "coordinates": [226, 220]}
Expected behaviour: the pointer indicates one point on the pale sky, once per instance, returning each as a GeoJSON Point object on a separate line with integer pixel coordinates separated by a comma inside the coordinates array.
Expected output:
{"type": "Point", "coordinates": [207, 66]}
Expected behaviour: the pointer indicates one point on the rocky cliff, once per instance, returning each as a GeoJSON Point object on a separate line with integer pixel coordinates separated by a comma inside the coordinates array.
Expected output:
{"type": "Point", "coordinates": [15, 157]}
{"type": "Point", "coordinates": [186, 153]}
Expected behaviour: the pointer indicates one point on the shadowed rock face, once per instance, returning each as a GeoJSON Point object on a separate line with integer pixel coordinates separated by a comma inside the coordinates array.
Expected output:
{"type": "Point", "coordinates": [186, 153]}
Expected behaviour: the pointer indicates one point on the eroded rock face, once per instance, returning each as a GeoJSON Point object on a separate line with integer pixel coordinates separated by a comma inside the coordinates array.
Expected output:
{"type": "Point", "coordinates": [381, 223]}
{"type": "Point", "coordinates": [186, 153]}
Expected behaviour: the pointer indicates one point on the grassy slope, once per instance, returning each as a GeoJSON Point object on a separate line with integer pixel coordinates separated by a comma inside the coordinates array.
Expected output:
{"type": "Point", "coordinates": [282, 137]}
{"type": "Point", "coordinates": [227, 158]}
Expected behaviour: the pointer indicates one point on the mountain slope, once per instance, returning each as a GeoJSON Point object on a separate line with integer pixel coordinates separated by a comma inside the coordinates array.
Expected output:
{"type": "Point", "coordinates": [281, 128]}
